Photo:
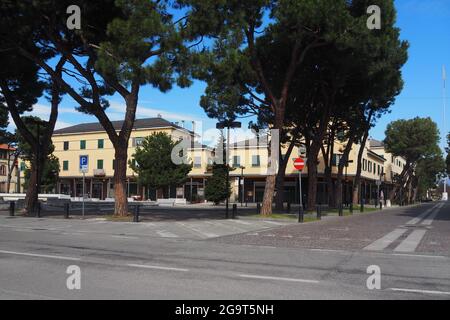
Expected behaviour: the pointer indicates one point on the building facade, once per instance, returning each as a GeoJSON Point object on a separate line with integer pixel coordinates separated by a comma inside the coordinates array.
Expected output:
{"type": "Point", "coordinates": [249, 160]}
{"type": "Point", "coordinates": [8, 163]}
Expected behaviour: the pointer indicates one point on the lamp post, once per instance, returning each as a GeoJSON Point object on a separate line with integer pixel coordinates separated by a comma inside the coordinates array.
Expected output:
{"type": "Point", "coordinates": [229, 124]}
{"type": "Point", "coordinates": [242, 186]}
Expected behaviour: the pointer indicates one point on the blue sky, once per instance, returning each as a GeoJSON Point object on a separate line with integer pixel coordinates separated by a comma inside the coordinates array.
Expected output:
{"type": "Point", "coordinates": [424, 23]}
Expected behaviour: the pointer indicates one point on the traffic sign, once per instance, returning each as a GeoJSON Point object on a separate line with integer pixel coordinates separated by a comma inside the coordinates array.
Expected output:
{"type": "Point", "coordinates": [299, 164]}
{"type": "Point", "coordinates": [84, 163]}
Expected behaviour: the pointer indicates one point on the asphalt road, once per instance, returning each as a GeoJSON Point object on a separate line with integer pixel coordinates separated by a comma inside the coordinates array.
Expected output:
{"type": "Point", "coordinates": [250, 260]}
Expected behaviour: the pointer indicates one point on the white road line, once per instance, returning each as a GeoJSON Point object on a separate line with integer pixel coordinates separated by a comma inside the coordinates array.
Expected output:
{"type": "Point", "coordinates": [166, 234]}
{"type": "Point", "coordinates": [420, 291]}
{"type": "Point", "coordinates": [197, 231]}
{"type": "Point", "coordinates": [421, 216]}
{"type": "Point", "coordinates": [241, 222]}
{"type": "Point", "coordinates": [384, 242]}
{"type": "Point", "coordinates": [277, 278]}
{"type": "Point", "coordinates": [124, 237]}
{"type": "Point", "coordinates": [224, 226]}
{"type": "Point", "coordinates": [40, 255]}
{"type": "Point", "coordinates": [429, 220]}
{"type": "Point", "coordinates": [273, 222]}
{"type": "Point", "coordinates": [144, 266]}
{"type": "Point", "coordinates": [411, 242]}
{"type": "Point", "coordinates": [418, 256]}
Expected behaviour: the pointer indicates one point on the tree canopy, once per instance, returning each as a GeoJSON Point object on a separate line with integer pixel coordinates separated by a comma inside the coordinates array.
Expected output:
{"type": "Point", "coordinates": [153, 165]}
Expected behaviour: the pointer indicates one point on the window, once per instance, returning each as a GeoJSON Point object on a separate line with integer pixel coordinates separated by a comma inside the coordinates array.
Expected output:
{"type": "Point", "coordinates": [66, 145]}
{"type": "Point", "coordinates": [114, 164]}
{"type": "Point", "coordinates": [22, 166]}
{"type": "Point", "coordinates": [137, 141]}
{"type": "Point", "coordinates": [236, 161]}
{"type": "Point", "coordinates": [364, 165]}
{"type": "Point", "coordinates": [197, 162]}
{"type": "Point", "coordinates": [2, 170]}
{"type": "Point", "coordinates": [100, 143]}
{"type": "Point", "coordinates": [370, 166]}
{"type": "Point", "coordinates": [256, 161]}
{"type": "Point", "coordinates": [65, 165]}
{"type": "Point", "coordinates": [83, 144]}
{"type": "Point", "coordinates": [100, 164]}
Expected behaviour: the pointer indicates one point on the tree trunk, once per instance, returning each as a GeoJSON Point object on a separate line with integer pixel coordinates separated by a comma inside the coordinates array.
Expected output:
{"type": "Point", "coordinates": [120, 178]}
{"type": "Point", "coordinates": [394, 192]}
{"type": "Point", "coordinates": [266, 208]}
{"type": "Point", "coordinates": [340, 174]}
{"type": "Point", "coordinates": [312, 175]}
{"type": "Point", "coordinates": [279, 198]}
{"type": "Point", "coordinates": [357, 181]}
{"type": "Point", "coordinates": [31, 197]}
{"type": "Point", "coordinates": [330, 187]}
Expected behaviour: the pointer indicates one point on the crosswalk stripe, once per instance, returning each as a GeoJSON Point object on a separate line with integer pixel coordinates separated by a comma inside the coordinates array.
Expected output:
{"type": "Point", "coordinates": [385, 241]}
{"type": "Point", "coordinates": [411, 242]}
{"type": "Point", "coordinates": [429, 220]}
{"type": "Point", "coordinates": [421, 216]}
{"type": "Point", "coordinates": [166, 234]}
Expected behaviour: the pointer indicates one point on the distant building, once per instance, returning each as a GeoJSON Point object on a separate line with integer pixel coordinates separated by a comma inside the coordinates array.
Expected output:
{"type": "Point", "coordinates": [249, 158]}
{"type": "Point", "coordinates": [6, 163]}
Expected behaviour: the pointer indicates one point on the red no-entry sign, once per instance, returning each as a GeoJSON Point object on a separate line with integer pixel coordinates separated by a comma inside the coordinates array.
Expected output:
{"type": "Point", "coordinates": [299, 164]}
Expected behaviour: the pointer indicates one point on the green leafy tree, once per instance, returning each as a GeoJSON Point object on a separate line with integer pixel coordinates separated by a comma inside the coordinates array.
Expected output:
{"type": "Point", "coordinates": [217, 189]}
{"type": "Point", "coordinates": [428, 172]}
{"type": "Point", "coordinates": [153, 164]}
{"type": "Point", "coordinates": [121, 46]}
{"type": "Point", "coordinates": [414, 140]}
{"type": "Point", "coordinates": [50, 175]}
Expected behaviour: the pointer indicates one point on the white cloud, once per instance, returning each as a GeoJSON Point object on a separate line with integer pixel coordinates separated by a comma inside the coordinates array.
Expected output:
{"type": "Point", "coordinates": [117, 109]}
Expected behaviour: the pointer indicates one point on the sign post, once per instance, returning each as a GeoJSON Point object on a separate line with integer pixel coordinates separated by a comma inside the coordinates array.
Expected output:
{"type": "Point", "coordinates": [84, 167]}
{"type": "Point", "coordinates": [299, 164]}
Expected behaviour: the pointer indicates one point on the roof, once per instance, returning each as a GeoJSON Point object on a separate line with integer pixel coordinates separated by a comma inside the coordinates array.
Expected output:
{"type": "Point", "coordinates": [6, 147]}
{"type": "Point", "coordinates": [138, 124]}
{"type": "Point", "coordinates": [376, 144]}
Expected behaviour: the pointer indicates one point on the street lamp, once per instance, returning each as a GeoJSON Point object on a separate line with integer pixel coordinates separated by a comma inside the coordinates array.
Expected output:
{"type": "Point", "coordinates": [229, 124]}
{"type": "Point", "coordinates": [341, 212]}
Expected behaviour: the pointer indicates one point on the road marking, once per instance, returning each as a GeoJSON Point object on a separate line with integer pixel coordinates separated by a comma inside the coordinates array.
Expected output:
{"type": "Point", "coordinates": [124, 237]}
{"type": "Point", "coordinates": [166, 234]}
{"type": "Point", "coordinates": [273, 222]}
{"type": "Point", "coordinates": [144, 266]}
{"type": "Point", "coordinates": [411, 242]}
{"type": "Point", "coordinates": [420, 291]}
{"type": "Point", "coordinates": [241, 222]}
{"type": "Point", "coordinates": [197, 231]}
{"type": "Point", "coordinates": [39, 255]}
{"type": "Point", "coordinates": [384, 242]}
{"type": "Point", "coordinates": [31, 295]}
{"type": "Point", "coordinates": [277, 278]}
{"type": "Point", "coordinates": [418, 256]}
{"type": "Point", "coordinates": [224, 226]}
{"type": "Point", "coordinates": [421, 216]}
{"type": "Point", "coordinates": [429, 220]}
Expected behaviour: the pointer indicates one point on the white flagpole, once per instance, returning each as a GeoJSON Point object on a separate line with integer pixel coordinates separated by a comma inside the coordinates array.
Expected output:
{"type": "Point", "coordinates": [444, 78]}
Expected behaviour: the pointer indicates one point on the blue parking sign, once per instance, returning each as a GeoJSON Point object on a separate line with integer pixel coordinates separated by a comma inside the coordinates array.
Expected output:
{"type": "Point", "coordinates": [84, 163]}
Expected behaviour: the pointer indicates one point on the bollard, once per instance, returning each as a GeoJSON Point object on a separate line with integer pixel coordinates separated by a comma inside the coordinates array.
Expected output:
{"type": "Point", "coordinates": [351, 208]}
{"type": "Point", "coordinates": [136, 214]}
{"type": "Point", "coordinates": [288, 207]}
{"type": "Point", "coordinates": [12, 208]}
{"type": "Point", "coordinates": [341, 211]}
{"type": "Point", "coordinates": [38, 210]}
{"type": "Point", "coordinates": [234, 212]}
{"type": "Point", "coordinates": [381, 205]}
{"type": "Point", "coordinates": [258, 208]}
{"type": "Point", "coordinates": [301, 217]}
{"type": "Point", "coordinates": [66, 210]}
{"type": "Point", "coordinates": [362, 206]}
{"type": "Point", "coordinates": [319, 213]}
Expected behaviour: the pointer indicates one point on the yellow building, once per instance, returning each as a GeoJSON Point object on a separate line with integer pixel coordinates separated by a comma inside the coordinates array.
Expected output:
{"type": "Point", "coordinates": [6, 159]}
{"type": "Point", "coordinates": [92, 141]}
{"type": "Point", "coordinates": [249, 159]}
